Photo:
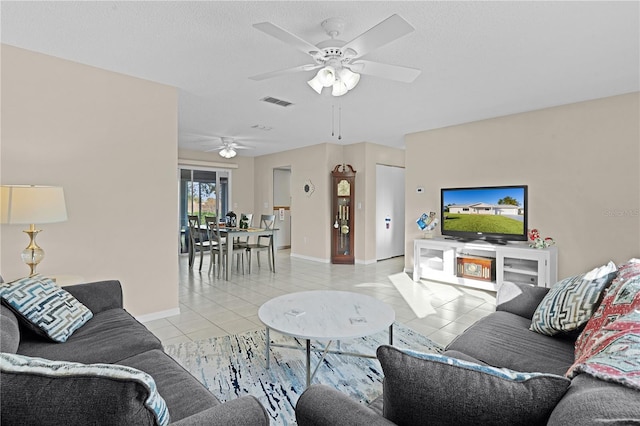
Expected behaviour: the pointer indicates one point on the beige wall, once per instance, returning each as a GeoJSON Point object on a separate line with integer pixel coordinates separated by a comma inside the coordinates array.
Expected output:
{"type": "Point", "coordinates": [310, 215]}
{"type": "Point", "coordinates": [581, 162]}
{"type": "Point", "coordinates": [111, 141]}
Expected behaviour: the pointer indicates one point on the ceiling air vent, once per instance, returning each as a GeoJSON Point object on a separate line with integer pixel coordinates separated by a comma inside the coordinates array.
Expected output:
{"type": "Point", "coordinates": [261, 127]}
{"type": "Point", "coordinates": [276, 101]}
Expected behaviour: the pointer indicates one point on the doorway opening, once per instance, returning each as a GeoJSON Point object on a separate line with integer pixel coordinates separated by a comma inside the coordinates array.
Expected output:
{"type": "Point", "coordinates": [282, 206]}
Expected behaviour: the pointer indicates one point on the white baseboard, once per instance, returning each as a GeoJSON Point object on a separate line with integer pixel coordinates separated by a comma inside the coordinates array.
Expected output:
{"type": "Point", "coordinates": [158, 315]}
{"type": "Point", "coordinates": [314, 259]}
{"type": "Point", "coordinates": [317, 259]}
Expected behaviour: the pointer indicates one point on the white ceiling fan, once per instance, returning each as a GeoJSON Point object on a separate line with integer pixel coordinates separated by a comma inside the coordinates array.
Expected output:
{"type": "Point", "coordinates": [227, 148]}
{"type": "Point", "coordinates": [340, 62]}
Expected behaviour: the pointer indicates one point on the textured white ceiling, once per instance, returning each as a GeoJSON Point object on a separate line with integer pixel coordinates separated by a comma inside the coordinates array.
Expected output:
{"type": "Point", "coordinates": [478, 60]}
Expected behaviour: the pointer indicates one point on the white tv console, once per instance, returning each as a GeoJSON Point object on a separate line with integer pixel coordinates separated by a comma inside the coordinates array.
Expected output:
{"type": "Point", "coordinates": [455, 262]}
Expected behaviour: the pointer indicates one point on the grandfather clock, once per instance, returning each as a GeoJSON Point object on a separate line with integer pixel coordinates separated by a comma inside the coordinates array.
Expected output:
{"type": "Point", "coordinates": [343, 179]}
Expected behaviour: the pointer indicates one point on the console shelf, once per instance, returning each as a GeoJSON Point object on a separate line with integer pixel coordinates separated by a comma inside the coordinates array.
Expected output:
{"type": "Point", "coordinates": [457, 262]}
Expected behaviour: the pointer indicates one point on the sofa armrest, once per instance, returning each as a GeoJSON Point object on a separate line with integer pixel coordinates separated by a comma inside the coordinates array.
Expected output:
{"type": "Point", "coordinates": [321, 405]}
{"type": "Point", "coordinates": [243, 411]}
{"type": "Point", "coordinates": [519, 299]}
{"type": "Point", "coordinates": [98, 296]}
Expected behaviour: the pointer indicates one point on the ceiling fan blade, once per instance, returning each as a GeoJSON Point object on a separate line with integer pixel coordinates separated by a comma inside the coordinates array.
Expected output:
{"type": "Point", "coordinates": [385, 32]}
{"type": "Point", "coordinates": [391, 72]}
{"type": "Point", "coordinates": [272, 74]}
{"type": "Point", "coordinates": [217, 148]}
{"type": "Point", "coordinates": [286, 37]}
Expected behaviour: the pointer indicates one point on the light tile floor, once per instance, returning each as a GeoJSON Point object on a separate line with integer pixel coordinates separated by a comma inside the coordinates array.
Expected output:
{"type": "Point", "coordinates": [212, 307]}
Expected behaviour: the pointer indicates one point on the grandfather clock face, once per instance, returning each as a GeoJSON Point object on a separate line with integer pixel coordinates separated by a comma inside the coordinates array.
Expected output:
{"type": "Point", "coordinates": [344, 189]}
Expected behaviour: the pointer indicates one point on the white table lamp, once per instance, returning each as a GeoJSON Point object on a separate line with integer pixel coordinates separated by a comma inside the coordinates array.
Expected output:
{"type": "Point", "coordinates": [31, 204]}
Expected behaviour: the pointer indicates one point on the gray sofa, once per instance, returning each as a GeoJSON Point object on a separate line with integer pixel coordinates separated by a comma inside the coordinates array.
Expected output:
{"type": "Point", "coordinates": [112, 336]}
{"type": "Point", "coordinates": [502, 339]}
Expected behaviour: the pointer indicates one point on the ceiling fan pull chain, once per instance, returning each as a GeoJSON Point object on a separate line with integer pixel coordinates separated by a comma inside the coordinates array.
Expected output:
{"type": "Point", "coordinates": [332, 120]}
{"type": "Point", "coordinates": [340, 123]}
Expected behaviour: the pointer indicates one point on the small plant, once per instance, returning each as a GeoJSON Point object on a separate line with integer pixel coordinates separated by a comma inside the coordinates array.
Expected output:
{"type": "Point", "coordinates": [536, 241]}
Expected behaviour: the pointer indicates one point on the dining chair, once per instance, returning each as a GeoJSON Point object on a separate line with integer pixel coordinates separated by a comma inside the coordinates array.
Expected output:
{"type": "Point", "coordinates": [218, 248]}
{"type": "Point", "coordinates": [198, 240]}
{"type": "Point", "coordinates": [264, 242]}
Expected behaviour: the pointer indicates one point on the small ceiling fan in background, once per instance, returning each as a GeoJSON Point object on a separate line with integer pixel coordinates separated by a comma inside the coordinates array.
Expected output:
{"type": "Point", "coordinates": [339, 62]}
{"type": "Point", "coordinates": [228, 145]}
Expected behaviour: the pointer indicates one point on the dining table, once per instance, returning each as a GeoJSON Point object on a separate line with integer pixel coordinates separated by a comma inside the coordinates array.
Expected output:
{"type": "Point", "coordinates": [235, 232]}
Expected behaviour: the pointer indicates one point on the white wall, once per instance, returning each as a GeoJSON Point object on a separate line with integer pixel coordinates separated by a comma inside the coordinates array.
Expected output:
{"type": "Point", "coordinates": [111, 141]}
{"type": "Point", "coordinates": [581, 162]}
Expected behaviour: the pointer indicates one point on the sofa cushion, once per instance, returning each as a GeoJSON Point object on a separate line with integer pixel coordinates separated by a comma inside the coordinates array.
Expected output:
{"type": "Point", "coordinates": [571, 302]}
{"type": "Point", "coordinates": [184, 394]}
{"type": "Point", "coordinates": [614, 354]}
{"type": "Point", "coordinates": [9, 330]}
{"type": "Point", "coordinates": [591, 401]}
{"type": "Point", "coordinates": [502, 339]}
{"type": "Point", "coordinates": [519, 299]}
{"type": "Point", "coordinates": [48, 308]}
{"type": "Point", "coordinates": [108, 337]}
{"type": "Point", "coordinates": [622, 297]}
{"type": "Point", "coordinates": [418, 390]}
{"type": "Point", "coordinates": [41, 391]}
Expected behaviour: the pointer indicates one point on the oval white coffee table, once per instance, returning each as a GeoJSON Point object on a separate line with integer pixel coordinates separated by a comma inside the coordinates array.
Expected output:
{"type": "Point", "coordinates": [325, 316]}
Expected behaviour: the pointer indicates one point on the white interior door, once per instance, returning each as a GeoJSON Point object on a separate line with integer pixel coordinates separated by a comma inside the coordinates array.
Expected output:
{"type": "Point", "coordinates": [389, 211]}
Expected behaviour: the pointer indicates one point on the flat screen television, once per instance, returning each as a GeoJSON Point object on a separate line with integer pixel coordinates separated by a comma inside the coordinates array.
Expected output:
{"type": "Point", "coordinates": [494, 213]}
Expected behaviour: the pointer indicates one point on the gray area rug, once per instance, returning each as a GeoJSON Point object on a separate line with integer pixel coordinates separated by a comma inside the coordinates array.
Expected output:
{"type": "Point", "coordinates": [232, 366]}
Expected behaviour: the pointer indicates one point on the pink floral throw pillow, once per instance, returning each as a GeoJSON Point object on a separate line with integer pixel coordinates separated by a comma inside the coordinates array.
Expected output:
{"type": "Point", "coordinates": [622, 297]}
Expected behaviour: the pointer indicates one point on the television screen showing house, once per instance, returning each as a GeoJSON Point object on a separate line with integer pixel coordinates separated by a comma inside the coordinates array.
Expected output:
{"type": "Point", "coordinates": [485, 210]}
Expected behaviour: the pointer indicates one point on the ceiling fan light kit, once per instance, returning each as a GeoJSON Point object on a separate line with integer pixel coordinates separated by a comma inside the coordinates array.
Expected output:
{"type": "Point", "coordinates": [342, 80]}
{"type": "Point", "coordinates": [228, 152]}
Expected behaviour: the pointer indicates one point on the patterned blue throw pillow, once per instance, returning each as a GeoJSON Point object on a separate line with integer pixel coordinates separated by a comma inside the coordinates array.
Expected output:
{"type": "Point", "coordinates": [571, 302]}
{"type": "Point", "coordinates": [60, 376]}
{"type": "Point", "coordinates": [52, 310]}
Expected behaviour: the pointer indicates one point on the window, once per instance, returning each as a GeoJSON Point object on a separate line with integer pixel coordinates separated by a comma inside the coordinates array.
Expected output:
{"type": "Point", "coordinates": [202, 193]}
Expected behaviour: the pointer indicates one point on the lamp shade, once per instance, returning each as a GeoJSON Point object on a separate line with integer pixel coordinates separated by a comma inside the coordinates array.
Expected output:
{"type": "Point", "coordinates": [31, 204]}
{"type": "Point", "coordinates": [327, 76]}
{"type": "Point", "coordinates": [349, 78]}
{"type": "Point", "coordinates": [316, 84]}
{"type": "Point", "coordinates": [339, 88]}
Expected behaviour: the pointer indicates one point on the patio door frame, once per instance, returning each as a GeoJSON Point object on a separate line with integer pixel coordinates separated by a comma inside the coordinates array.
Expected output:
{"type": "Point", "coordinates": [218, 171]}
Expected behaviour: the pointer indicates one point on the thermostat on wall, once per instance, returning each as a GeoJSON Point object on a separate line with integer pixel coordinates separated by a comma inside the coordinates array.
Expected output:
{"type": "Point", "coordinates": [420, 190]}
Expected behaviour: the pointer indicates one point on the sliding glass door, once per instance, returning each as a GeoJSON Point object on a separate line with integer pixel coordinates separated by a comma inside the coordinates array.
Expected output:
{"type": "Point", "coordinates": [202, 193]}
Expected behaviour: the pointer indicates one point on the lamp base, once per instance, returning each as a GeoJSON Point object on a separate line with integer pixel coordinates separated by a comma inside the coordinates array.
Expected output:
{"type": "Point", "coordinates": [33, 254]}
